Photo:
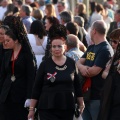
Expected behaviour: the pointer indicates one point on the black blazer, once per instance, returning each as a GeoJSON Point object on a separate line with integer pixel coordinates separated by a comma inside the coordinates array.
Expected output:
{"type": "Point", "coordinates": [24, 71]}
{"type": "Point", "coordinates": [1, 55]}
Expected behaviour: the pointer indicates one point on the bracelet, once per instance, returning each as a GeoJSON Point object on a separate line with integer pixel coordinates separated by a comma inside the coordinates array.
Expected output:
{"type": "Point", "coordinates": [31, 108]}
{"type": "Point", "coordinates": [82, 106]}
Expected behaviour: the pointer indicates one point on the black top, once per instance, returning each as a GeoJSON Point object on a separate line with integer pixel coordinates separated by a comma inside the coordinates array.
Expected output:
{"type": "Point", "coordinates": [84, 16]}
{"type": "Point", "coordinates": [1, 55]}
{"type": "Point", "coordinates": [113, 26]}
{"type": "Point", "coordinates": [24, 71]}
{"type": "Point", "coordinates": [58, 94]}
{"type": "Point", "coordinates": [98, 55]}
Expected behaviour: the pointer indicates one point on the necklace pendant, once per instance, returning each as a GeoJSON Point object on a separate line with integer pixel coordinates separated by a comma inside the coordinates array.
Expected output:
{"type": "Point", "coordinates": [52, 79]}
{"type": "Point", "coordinates": [13, 78]}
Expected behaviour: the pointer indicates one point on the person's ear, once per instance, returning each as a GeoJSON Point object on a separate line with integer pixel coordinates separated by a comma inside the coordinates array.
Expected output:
{"type": "Point", "coordinates": [65, 47]}
{"type": "Point", "coordinates": [16, 41]}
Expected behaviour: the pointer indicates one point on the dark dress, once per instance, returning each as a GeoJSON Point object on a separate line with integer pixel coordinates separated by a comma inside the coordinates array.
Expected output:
{"type": "Point", "coordinates": [14, 94]}
{"type": "Point", "coordinates": [1, 55]}
{"type": "Point", "coordinates": [115, 102]}
{"type": "Point", "coordinates": [110, 102]}
{"type": "Point", "coordinates": [110, 99]}
{"type": "Point", "coordinates": [56, 99]}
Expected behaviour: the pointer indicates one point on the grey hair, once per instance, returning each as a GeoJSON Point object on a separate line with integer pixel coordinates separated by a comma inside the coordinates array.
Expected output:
{"type": "Point", "coordinates": [66, 16]}
{"type": "Point", "coordinates": [79, 20]}
{"type": "Point", "coordinates": [27, 9]}
{"type": "Point", "coordinates": [72, 41]}
{"type": "Point", "coordinates": [61, 2]}
{"type": "Point", "coordinates": [100, 26]}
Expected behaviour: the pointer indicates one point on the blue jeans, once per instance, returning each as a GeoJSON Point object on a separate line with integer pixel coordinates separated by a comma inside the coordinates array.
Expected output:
{"type": "Point", "coordinates": [91, 110]}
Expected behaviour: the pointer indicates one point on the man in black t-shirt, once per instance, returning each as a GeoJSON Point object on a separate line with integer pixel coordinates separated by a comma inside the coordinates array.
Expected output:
{"type": "Point", "coordinates": [91, 66]}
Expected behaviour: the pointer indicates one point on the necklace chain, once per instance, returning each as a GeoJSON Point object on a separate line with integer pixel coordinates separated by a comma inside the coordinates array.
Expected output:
{"type": "Point", "coordinates": [63, 68]}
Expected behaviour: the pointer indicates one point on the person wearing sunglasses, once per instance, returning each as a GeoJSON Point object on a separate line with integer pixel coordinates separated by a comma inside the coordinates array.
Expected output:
{"type": "Point", "coordinates": [110, 102]}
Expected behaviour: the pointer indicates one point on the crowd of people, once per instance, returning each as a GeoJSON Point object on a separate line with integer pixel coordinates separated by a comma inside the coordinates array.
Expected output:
{"type": "Point", "coordinates": [56, 64]}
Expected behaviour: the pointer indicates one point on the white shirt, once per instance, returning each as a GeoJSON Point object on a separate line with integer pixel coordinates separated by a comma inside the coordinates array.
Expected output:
{"type": "Point", "coordinates": [39, 51]}
{"type": "Point", "coordinates": [95, 16]}
{"type": "Point", "coordinates": [2, 12]}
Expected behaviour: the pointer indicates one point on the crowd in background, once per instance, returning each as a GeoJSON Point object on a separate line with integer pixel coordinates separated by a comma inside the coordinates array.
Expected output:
{"type": "Point", "coordinates": [44, 47]}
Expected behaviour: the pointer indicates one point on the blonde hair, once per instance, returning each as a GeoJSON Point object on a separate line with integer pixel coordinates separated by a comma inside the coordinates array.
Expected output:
{"type": "Point", "coordinates": [51, 10]}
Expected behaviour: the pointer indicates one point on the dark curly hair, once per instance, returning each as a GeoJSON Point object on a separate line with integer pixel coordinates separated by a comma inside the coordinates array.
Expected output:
{"type": "Point", "coordinates": [38, 28]}
{"type": "Point", "coordinates": [53, 20]}
{"type": "Point", "coordinates": [17, 27]}
{"type": "Point", "coordinates": [57, 30]}
{"type": "Point", "coordinates": [54, 31]}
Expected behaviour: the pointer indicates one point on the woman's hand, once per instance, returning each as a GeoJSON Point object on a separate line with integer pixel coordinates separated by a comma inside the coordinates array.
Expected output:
{"type": "Point", "coordinates": [106, 71]}
{"type": "Point", "coordinates": [31, 115]}
{"type": "Point", "coordinates": [82, 108]}
{"type": "Point", "coordinates": [81, 104]}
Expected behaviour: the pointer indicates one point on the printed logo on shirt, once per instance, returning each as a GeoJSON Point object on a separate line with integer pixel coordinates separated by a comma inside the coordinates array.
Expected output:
{"type": "Point", "coordinates": [90, 56]}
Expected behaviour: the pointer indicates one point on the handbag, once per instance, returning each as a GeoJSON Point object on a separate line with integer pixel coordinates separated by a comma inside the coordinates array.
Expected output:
{"type": "Point", "coordinates": [86, 87]}
{"type": "Point", "coordinates": [77, 111]}
{"type": "Point", "coordinates": [79, 118]}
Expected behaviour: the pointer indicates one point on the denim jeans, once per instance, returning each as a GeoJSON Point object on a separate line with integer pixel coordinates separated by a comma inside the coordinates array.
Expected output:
{"type": "Point", "coordinates": [91, 110]}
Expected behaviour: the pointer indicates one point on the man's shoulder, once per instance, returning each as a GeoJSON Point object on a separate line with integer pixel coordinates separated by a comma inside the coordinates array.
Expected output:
{"type": "Point", "coordinates": [75, 55]}
{"type": "Point", "coordinates": [106, 48]}
{"type": "Point", "coordinates": [105, 45]}
{"type": "Point", "coordinates": [27, 19]}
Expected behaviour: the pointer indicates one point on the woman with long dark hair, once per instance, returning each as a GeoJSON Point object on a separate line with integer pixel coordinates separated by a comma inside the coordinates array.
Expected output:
{"type": "Point", "coordinates": [38, 40]}
{"type": "Point", "coordinates": [17, 73]}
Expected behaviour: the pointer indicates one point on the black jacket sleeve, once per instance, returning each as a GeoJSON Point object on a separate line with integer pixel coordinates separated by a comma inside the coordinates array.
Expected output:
{"type": "Point", "coordinates": [38, 81]}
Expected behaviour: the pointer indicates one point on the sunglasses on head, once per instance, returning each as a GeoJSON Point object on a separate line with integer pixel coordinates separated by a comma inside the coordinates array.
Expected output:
{"type": "Point", "coordinates": [114, 41]}
{"type": "Point", "coordinates": [4, 27]}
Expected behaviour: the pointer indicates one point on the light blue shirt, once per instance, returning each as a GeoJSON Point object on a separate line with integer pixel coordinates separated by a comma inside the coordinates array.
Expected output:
{"type": "Point", "coordinates": [74, 53]}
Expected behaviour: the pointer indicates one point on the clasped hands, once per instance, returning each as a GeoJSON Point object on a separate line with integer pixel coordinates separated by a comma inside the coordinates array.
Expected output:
{"type": "Point", "coordinates": [84, 70]}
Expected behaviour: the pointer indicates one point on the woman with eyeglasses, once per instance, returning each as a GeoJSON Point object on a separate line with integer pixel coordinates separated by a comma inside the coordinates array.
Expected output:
{"type": "Point", "coordinates": [56, 83]}
{"type": "Point", "coordinates": [110, 102]}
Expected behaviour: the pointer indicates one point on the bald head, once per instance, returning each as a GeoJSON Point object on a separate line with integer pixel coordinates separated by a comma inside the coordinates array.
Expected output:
{"type": "Point", "coordinates": [100, 26]}
{"type": "Point", "coordinates": [72, 41]}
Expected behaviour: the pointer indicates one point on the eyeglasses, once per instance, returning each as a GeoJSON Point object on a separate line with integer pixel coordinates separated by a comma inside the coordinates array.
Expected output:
{"type": "Point", "coordinates": [57, 46]}
{"type": "Point", "coordinates": [115, 41]}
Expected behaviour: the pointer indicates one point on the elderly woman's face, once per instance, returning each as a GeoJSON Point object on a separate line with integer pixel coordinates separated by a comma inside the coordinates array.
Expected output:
{"type": "Point", "coordinates": [58, 47]}
{"type": "Point", "coordinates": [2, 35]}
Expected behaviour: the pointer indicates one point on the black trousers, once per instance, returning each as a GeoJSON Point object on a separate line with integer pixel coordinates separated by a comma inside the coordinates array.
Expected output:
{"type": "Point", "coordinates": [56, 114]}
